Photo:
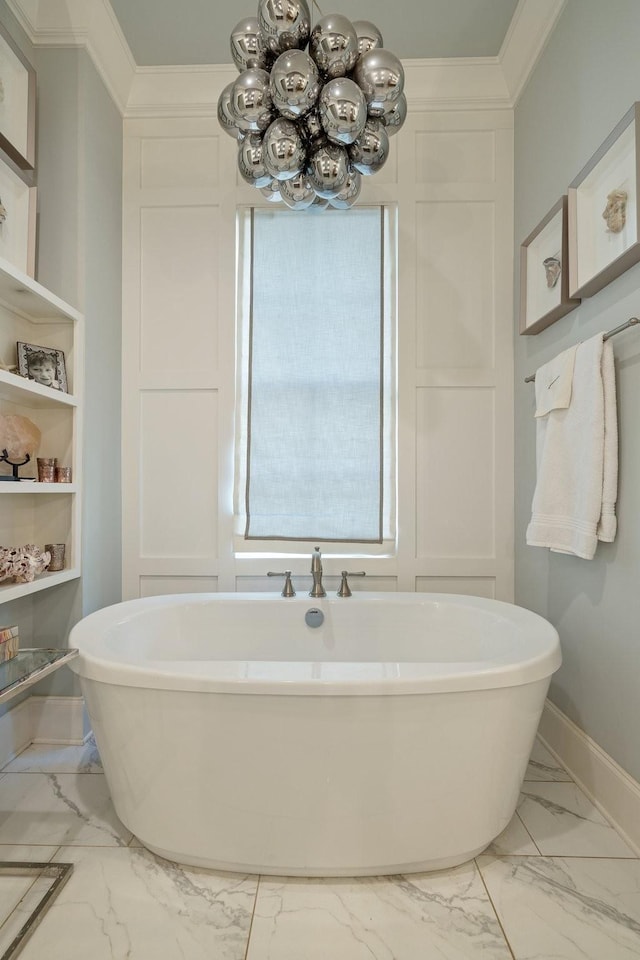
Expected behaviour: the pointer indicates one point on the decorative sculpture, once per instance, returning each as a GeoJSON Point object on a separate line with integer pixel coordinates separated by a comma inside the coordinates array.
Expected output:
{"type": "Point", "coordinates": [23, 563]}
{"type": "Point", "coordinates": [615, 212]}
{"type": "Point", "coordinates": [553, 269]}
{"type": "Point", "coordinates": [19, 440]}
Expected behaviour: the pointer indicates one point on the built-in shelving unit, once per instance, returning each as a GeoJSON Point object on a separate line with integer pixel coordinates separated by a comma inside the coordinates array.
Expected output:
{"type": "Point", "coordinates": [35, 512]}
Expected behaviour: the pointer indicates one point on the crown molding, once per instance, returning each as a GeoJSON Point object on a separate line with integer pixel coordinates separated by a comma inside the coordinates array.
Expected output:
{"type": "Point", "coordinates": [429, 84]}
{"type": "Point", "coordinates": [88, 24]}
{"type": "Point", "coordinates": [191, 91]}
{"type": "Point", "coordinates": [170, 91]}
{"type": "Point", "coordinates": [531, 26]}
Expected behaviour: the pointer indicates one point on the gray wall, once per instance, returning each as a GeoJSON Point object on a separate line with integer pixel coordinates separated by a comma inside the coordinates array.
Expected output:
{"type": "Point", "coordinates": [586, 80]}
{"type": "Point", "coordinates": [79, 257]}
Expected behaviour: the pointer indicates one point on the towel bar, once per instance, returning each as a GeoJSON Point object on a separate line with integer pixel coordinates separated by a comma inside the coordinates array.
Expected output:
{"type": "Point", "coordinates": [623, 326]}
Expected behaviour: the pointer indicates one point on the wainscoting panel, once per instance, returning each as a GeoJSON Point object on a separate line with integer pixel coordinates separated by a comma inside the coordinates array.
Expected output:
{"type": "Point", "coordinates": [302, 584]}
{"type": "Point", "coordinates": [456, 156]}
{"type": "Point", "coordinates": [176, 162]}
{"type": "Point", "coordinates": [178, 496]}
{"type": "Point", "coordinates": [159, 586]}
{"type": "Point", "coordinates": [179, 283]}
{"type": "Point", "coordinates": [455, 467]}
{"type": "Point", "coordinates": [471, 586]}
{"type": "Point", "coordinates": [449, 177]}
{"type": "Point", "coordinates": [455, 251]}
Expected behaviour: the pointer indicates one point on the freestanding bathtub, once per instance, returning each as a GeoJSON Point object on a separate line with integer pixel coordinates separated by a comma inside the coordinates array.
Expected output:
{"type": "Point", "coordinates": [392, 738]}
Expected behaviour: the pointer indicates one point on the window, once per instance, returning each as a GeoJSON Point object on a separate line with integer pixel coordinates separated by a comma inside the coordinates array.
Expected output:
{"type": "Point", "coordinates": [315, 430]}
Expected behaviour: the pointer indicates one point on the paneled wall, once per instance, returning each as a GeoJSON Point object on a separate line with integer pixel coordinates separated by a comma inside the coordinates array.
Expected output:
{"type": "Point", "coordinates": [450, 176]}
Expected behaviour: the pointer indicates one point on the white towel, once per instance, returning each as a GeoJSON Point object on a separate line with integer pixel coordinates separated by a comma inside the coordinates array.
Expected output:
{"type": "Point", "coordinates": [554, 382]}
{"type": "Point", "coordinates": [577, 458]}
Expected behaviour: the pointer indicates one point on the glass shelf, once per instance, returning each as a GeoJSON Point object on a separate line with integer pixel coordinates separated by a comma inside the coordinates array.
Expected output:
{"type": "Point", "coordinates": [29, 666]}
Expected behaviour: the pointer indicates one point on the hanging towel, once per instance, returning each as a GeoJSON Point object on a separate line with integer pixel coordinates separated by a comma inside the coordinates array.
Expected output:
{"type": "Point", "coordinates": [577, 457]}
{"type": "Point", "coordinates": [554, 382]}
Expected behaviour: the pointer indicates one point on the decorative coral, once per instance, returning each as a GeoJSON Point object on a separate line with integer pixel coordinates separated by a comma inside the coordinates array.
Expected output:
{"type": "Point", "coordinates": [23, 563]}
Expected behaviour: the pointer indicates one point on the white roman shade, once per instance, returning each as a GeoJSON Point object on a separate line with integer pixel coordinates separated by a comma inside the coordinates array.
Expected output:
{"type": "Point", "coordinates": [314, 429]}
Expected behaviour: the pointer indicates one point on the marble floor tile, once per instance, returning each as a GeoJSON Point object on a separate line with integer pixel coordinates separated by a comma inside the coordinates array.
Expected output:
{"type": "Point", "coordinates": [16, 889]}
{"type": "Point", "coordinates": [567, 909]}
{"type": "Point", "coordinates": [23, 911]}
{"type": "Point", "coordinates": [544, 766]}
{"type": "Point", "coordinates": [445, 914]}
{"type": "Point", "coordinates": [564, 823]}
{"type": "Point", "coordinates": [39, 808]}
{"type": "Point", "coordinates": [12, 890]}
{"type": "Point", "coordinates": [55, 758]}
{"type": "Point", "coordinates": [126, 904]}
{"type": "Point", "coordinates": [514, 840]}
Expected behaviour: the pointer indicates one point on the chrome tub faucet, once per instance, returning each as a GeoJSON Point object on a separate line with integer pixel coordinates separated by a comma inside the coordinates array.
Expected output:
{"type": "Point", "coordinates": [287, 590]}
{"type": "Point", "coordinates": [317, 590]}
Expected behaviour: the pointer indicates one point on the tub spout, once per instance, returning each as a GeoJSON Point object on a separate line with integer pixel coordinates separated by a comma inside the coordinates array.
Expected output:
{"type": "Point", "coordinates": [317, 590]}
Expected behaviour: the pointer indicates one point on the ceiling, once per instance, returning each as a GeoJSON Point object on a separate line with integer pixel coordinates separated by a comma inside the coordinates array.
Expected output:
{"type": "Point", "coordinates": [181, 32]}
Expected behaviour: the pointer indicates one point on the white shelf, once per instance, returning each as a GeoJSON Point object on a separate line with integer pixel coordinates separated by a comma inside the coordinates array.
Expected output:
{"type": "Point", "coordinates": [12, 591]}
{"type": "Point", "coordinates": [35, 512]}
{"type": "Point", "coordinates": [30, 299]}
{"type": "Point", "coordinates": [9, 486]}
{"type": "Point", "coordinates": [15, 389]}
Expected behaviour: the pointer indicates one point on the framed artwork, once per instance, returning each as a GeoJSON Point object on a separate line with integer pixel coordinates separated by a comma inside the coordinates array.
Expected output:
{"type": "Point", "coordinates": [17, 108]}
{"type": "Point", "coordinates": [603, 211]}
{"type": "Point", "coordinates": [44, 365]}
{"type": "Point", "coordinates": [544, 274]}
{"type": "Point", "coordinates": [17, 221]}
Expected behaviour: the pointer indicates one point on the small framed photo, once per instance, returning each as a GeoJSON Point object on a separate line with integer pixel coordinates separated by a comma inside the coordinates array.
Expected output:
{"type": "Point", "coordinates": [17, 109]}
{"type": "Point", "coordinates": [544, 274]}
{"type": "Point", "coordinates": [603, 211]}
{"type": "Point", "coordinates": [44, 365]}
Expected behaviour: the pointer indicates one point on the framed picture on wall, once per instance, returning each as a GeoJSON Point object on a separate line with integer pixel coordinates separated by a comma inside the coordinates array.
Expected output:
{"type": "Point", "coordinates": [603, 211]}
{"type": "Point", "coordinates": [544, 275]}
{"type": "Point", "coordinates": [17, 221]}
{"type": "Point", "coordinates": [17, 109]}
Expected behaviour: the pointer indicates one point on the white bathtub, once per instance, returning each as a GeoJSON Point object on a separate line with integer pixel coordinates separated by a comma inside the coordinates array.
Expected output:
{"type": "Point", "coordinates": [393, 738]}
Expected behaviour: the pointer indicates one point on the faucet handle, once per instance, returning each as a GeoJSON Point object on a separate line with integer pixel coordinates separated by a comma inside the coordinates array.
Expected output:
{"type": "Point", "coordinates": [287, 590]}
{"type": "Point", "coordinates": [345, 589]}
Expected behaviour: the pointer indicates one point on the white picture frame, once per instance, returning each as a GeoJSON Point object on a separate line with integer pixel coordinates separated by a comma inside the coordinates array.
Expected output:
{"type": "Point", "coordinates": [602, 247]}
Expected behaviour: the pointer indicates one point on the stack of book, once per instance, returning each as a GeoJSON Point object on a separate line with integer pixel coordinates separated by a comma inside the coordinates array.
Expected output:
{"type": "Point", "coordinates": [9, 643]}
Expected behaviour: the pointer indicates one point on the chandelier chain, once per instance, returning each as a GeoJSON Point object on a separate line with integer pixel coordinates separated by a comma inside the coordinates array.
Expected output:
{"type": "Point", "coordinates": [317, 6]}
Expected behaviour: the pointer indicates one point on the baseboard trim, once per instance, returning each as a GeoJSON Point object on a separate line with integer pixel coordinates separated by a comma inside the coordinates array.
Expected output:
{"type": "Point", "coordinates": [41, 720]}
{"type": "Point", "coordinates": [58, 720]}
{"type": "Point", "coordinates": [614, 792]}
{"type": "Point", "coordinates": [15, 731]}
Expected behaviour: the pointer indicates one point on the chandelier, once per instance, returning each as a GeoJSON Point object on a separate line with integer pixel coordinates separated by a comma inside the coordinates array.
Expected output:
{"type": "Point", "coordinates": [310, 123]}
